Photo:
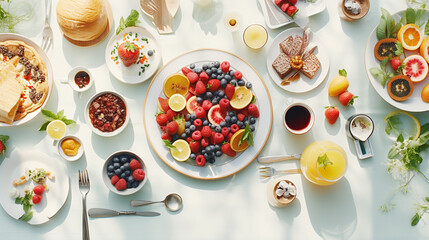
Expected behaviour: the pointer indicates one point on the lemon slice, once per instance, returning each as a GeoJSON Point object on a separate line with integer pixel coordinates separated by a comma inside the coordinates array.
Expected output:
{"type": "Point", "coordinates": [182, 151]}
{"type": "Point", "coordinates": [241, 98]}
{"type": "Point", "coordinates": [401, 122]}
{"type": "Point", "coordinates": [56, 129]}
{"type": "Point", "coordinates": [177, 102]}
{"type": "Point", "coordinates": [235, 140]}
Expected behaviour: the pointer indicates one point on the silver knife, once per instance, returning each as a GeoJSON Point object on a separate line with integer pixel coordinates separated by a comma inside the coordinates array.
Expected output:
{"type": "Point", "coordinates": [102, 212]}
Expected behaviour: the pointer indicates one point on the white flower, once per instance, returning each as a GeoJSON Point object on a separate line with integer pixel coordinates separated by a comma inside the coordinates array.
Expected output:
{"type": "Point", "coordinates": [398, 170]}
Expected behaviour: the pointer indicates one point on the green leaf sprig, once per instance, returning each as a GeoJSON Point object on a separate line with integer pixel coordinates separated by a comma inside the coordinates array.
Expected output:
{"type": "Point", "coordinates": [420, 211]}
{"type": "Point", "coordinates": [3, 140]}
{"type": "Point", "coordinates": [50, 116]}
{"type": "Point", "coordinates": [382, 74]}
{"type": "Point", "coordinates": [247, 136]}
{"type": "Point", "coordinates": [413, 16]}
{"type": "Point", "coordinates": [323, 161]}
{"type": "Point", "coordinates": [387, 27]}
{"type": "Point", "coordinates": [168, 144]}
{"type": "Point", "coordinates": [26, 205]}
{"type": "Point", "coordinates": [342, 72]}
{"type": "Point", "coordinates": [132, 20]}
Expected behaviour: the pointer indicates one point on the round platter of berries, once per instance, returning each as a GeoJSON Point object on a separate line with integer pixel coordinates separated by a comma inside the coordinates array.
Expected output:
{"type": "Point", "coordinates": [396, 60]}
{"type": "Point", "coordinates": [207, 114]}
{"type": "Point", "coordinates": [133, 56]}
{"type": "Point", "coordinates": [35, 186]}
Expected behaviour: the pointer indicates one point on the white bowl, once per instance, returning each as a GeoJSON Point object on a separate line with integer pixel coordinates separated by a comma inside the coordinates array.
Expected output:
{"type": "Point", "coordinates": [96, 130]}
{"type": "Point", "coordinates": [106, 179]}
{"type": "Point", "coordinates": [71, 158]}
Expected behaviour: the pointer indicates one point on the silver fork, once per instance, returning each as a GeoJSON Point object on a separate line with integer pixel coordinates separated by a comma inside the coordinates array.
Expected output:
{"type": "Point", "coordinates": [267, 172]}
{"type": "Point", "coordinates": [84, 186]}
{"type": "Point", "coordinates": [47, 30]}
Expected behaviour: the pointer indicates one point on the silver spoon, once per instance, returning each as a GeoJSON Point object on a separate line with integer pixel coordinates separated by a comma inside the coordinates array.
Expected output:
{"type": "Point", "coordinates": [173, 202]}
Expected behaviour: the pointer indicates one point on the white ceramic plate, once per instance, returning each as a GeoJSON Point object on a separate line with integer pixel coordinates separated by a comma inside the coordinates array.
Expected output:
{"type": "Point", "coordinates": [52, 201]}
{"type": "Point", "coordinates": [412, 104]}
{"type": "Point", "coordinates": [224, 166]}
{"type": "Point", "coordinates": [303, 84]}
{"type": "Point", "coordinates": [30, 116]}
{"type": "Point", "coordinates": [275, 17]}
{"type": "Point", "coordinates": [131, 74]}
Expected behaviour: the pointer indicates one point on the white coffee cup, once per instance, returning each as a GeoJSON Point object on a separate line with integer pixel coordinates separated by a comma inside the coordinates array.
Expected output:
{"type": "Point", "coordinates": [71, 79]}
{"type": "Point", "coordinates": [298, 118]}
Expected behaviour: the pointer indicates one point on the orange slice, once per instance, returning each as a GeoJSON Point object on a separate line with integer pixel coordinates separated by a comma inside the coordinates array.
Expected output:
{"type": "Point", "coordinates": [424, 49]}
{"type": "Point", "coordinates": [175, 83]}
{"type": "Point", "coordinates": [241, 98]}
{"type": "Point", "coordinates": [410, 36]}
{"type": "Point", "coordinates": [235, 140]}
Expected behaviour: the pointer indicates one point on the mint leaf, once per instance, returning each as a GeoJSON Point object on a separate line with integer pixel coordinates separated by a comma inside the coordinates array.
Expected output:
{"type": "Point", "coordinates": [247, 136]}
{"type": "Point", "coordinates": [410, 16]}
{"type": "Point", "coordinates": [48, 115]}
{"type": "Point", "coordinates": [323, 161]}
{"type": "Point", "coordinates": [44, 126]}
{"type": "Point", "coordinates": [415, 219]}
{"type": "Point", "coordinates": [342, 72]}
{"type": "Point", "coordinates": [168, 144]}
{"type": "Point", "coordinates": [132, 20]}
{"type": "Point", "coordinates": [67, 121]}
{"type": "Point", "coordinates": [60, 114]}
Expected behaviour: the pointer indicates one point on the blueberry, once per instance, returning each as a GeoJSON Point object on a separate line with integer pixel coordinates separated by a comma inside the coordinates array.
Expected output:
{"type": "Point", "coordinates": [134, 184]}
{"type": "Point", "coordinates": [217, 147]}
{"type": "Point", "coordinates": [219, 71]}
{"type": "Point", "coordinates": [218, 129]}
{"type": "Point", "coordinates": [252, 128]}
{"type": "Point", "coordinates": [233, 82]}
{"type": "Point", "coordinates": [222, 124]}
{"type": "Point", "coordinates": [183, 136]}
{"type": "Point", "coordinates": [215, 101]}
{"type": "Point", "coordinates": [174, 137]}
{"type": "Point", "coordinates": [188, 132]}
{"type": "Point", "coordinates": [199, 100]}
{"type": "Point", "coordinates": [187, 124]}
{"type": "Point", "coordinates": [211, 160]}
{"type": "Point", "coordinates": [219, 77]}
{"type": "Point", "coordinates": [126, 166]}
{"type": "Point", "coordinates": [210, 65]}
{"type": "Point", "coordinates": [209, 95]}
{"type": "Point", "coordinates": [232, 113]}
{"type": "Point", "coordinates": [116, 165]}
{"type": "Point", "coordinates": [192, 66]}
{"type": "Point", "coordinates": [234, 119]}
{"type": "Point", "coordinates": [241, 82]}
{"type": "Point", "coordinates": [150, 53]}
{"type": "Point", "coordinates": [130, 179]}
{"type": "Point", "coordinates": [240, 124]}
{"type": "Point", "coordinates": [245, 123]}
{"type": "Point", "coordinates": [124, 159]}
{"type": "Point", "coordinates": [192, 128]}
{"type": "Point", "coordinates": [205, 123]}
{"type": "Point", "coordinates": [116, 159]}
{"type": "Point", "coordinates": [213, 76]}
{"type": "Point", "coordinates": [212, 126]}
{"type": "Point", "coordinates": [118, 172]}
{"type": "Point", "coordinates": [198, 70]}
{"type": "Point", "coordinates": [217, 64]}
{"type": "Point", "coordinates": [228, 77]}
{"type": "Point", "coordinates": [208, 149]}
{"type": "Point", "coordinates": [110, 174]}
{"type": "Point", "coordinates": [193, 116]}
{"type": "Point", "coordinates": [203, 151]}
{"type": "Point", "coordinates": [127, 173]}
{"type": "Point", "coordinates": [123, 175]}
{"type": "Point", "coordinates": [252, 120]}
{"type": "Point", "coordinates": [193, 156]}
{"type": "Point", "coordinates": [122, 168]}
{"type": "Point", "coordinates": [227, 118]}
{"type": "Point", "coordinates": [206, 155]}
{"type": "Point", "coordinates": [214, 70]}
{"type": "Point", "coordinates": [249, 85]}
{"type": "Point", "coordinates": [205, 66]}
{"type": "Point", "coordinates": [231, 72]}
{"type": "Point", "coordinates": [223, 82]}
{"type": "Point", "coordinates": [209, 72]}
{"type": "Point", "coordinates": [110, 168]}
{"type": "Point", "coordinates": [221, 94]}
{"type": "Point", "coordinates": [218, 153]}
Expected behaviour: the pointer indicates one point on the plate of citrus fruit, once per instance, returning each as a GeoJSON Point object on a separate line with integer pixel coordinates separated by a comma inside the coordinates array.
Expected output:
{"type": "Point", "coordinates": [396, 59]}
{"type": "Point", "coordinates": [207, 114]}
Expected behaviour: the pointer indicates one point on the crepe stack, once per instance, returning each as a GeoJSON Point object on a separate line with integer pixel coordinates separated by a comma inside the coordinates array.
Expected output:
{"type": "Point", "coordinates": [10, 94]}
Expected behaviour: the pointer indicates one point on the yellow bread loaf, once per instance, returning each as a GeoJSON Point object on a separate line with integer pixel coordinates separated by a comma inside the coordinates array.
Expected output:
{"type": "Point", "coordinates": [82, 20]}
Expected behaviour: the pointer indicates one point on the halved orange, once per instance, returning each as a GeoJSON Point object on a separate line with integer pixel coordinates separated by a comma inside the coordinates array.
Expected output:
{"type": "Point", "coordinates": [235, 140]}
{"type": "Point", "coordinates": [410, 36]}
{"type": "Point", "coordinates": [175, 83]}
{"type": "Point", "coordinates": [241, 98]}
{"type": "Point", "coordinates": [424, 49]}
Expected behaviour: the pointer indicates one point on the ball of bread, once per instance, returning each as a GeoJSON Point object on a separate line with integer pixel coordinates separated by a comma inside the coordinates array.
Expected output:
{"type": "Point", "coordinates": [82, 20]}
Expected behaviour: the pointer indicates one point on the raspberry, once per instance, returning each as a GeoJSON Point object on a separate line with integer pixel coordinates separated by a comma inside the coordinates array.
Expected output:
{"type": "Point", "coordinates": [166, 136]}
{"type": "Point", "coordinates": [224, 104]}
{"type": "Point", "coordinates": [218, 138]}
{"type": "Point", "coordinates": [193, 77]}
{"type": "Point", "coordinates": [196, 135]}
{"type": "Point", "coordinates": [195, 147]}
{"type": "Point", "coordinates": [225, 66]}
{"type": "Point", "coordinates": [39, 189]}
{"type": "Point", "coordinates": [139, 174]}
{"type": "Point", "coordinates": [114, 179]}
{"type": "Point", "coordinates": [134, 164]}
{"type": "Point", "coordinates": [240, 116]}
{"type": "Point", "coordinates": [206, 105]}
{"type": "Point", "coordinates": [36, 198]}
{"type": "Point", "coordinates": [201, 161]}
{"type": "Point", "coordinates": [204, 142]}
{"type": "Point", "coordinates": [238, 75]}
{"type": "Point", "coordinates": [225, 131]}
{"type": "Point", "coordinates": [228, 138]}
{"type": "Point", "coordinates": [234, 128]}
{"type": "Point", "coordinates": [206, 131]}
{"type": "Point", "coordinates": [253, 110]}
{"type": "Point", "coordinates": [200, 112]}
{"type": "Point", "coordinates": [198, 122]}
{"type": "Point", "coordinates": [121, 184]}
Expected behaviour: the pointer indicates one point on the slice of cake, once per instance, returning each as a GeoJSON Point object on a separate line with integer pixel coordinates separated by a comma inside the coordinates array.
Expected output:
{"type": "Point", "coordinates": [310, 66]}
{"type": "Point", "coordinates": [282, 65]}
{"type": "Point", "coordinates": [292, 45]}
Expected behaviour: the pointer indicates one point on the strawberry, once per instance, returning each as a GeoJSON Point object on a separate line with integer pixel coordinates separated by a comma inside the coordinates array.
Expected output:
{"type": "Point", "coordinates": [204, 77]}
{"type": "Point", "coordinates": [206, 105]}
{"type": "Point", "coordinates": [229, 91]}
{"type": "Point", "coordinates": [284, 7]}
{"type": "Point", "coordinates": [193, 77]}
{"type": "Point", "coordinates": [240, 116]}
{"type": "Point", "coordinates": [293, 2]}
{"type": "Point", "coordinates": [200, 160]}
{"type": "Point", "coordinates": [134, 164]}
{"type": "Point", "coordinates": [121, 184]}
{"type": "Point", "coordinates": [139, 174]}
{"type": "Point", "coordinates": [128, 52]}
{"type": "Point", "coordinates": [172, 127]}
{"type": "Point", "coordinates": [186, 70]}
{"type": "Point", "coordinates": [200, 112]}
{"type": "Point", "coordinates": [291, 11]}
{"type": "Point", "coordinates": [395, 63]}
{"type": "Point", "coordinates": [198, 122]}
{"type": "Point", "coordinates": [200, 88]}
{"type": "Point", "coordinates": [213, 85]}
{"type": "Point", "coordinates": [36, 198]}
{"type": "Point", "coordinates": [161, 119]}
{"type": "Point", "coordinates": [170, 114]}
{"type": "Point", "coordinates": [1, 147]}
{"type": "Point", "coordinates": [218, 138]}
{"type": "Point", "coordinates": [226, 148]}
{"type": "Point", "coordinates": [196, 135]}
{"type": "Point", "coordinates": [224, 104]}
{"type": "Point", "coordinates": [204, 142]}
{"type": "Point", "coordinates": [163, 104]}
{"type": "Point", "coordinates": [225, 131]}
{"type": "Point", "coordinates": [331, 114]}
{"type": "Point", "coordinates": [39, 189]}
{"type": "Point", "coordinates": [238, 75]}
{"type": "Point", "coordinates": [114, 180]}
{"type": "Point", "coordinates": [165, 136]}
{"type": "Point", "coordinates": [253, 110]}
{"type": "Point", "coordinates": [347, 98]}
{"type": "Point", "coordinates": [194, 146]}
{"type": "Point", "coordinates": [278, 2]}
{"type": "Point", "coordinates": [206, 131]}
{"type": "Point", "coordinates": [225, 66]}
{"type": "Point", "coordinates": [234, 128]}
{"type": "Point", "coordinates": [228, 138]}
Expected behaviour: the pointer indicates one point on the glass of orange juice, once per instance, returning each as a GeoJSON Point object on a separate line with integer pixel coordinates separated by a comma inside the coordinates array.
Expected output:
{"type": "Point", "coordinates": [323, 163]}
{"type": "Point", "coordinates": [255, 36]}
